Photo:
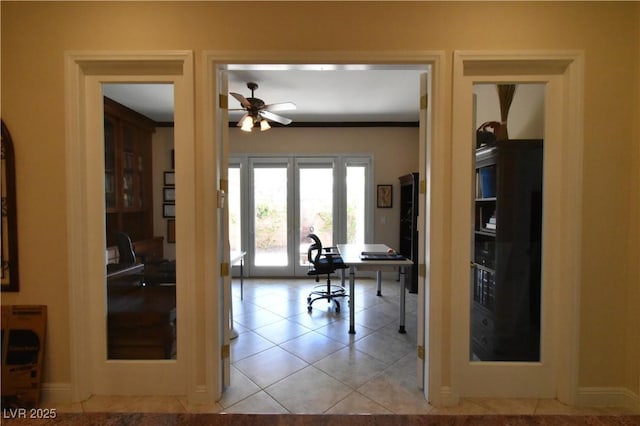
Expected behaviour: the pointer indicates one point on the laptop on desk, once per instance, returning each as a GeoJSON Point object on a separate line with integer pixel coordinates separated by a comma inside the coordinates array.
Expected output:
{"type": "Point", "coordinates": [377, 255]}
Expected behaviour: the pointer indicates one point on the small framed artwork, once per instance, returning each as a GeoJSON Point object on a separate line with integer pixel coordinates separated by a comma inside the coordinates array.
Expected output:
{"type": "Point", "coordinates": [171, 231]}
{"type": "Point", "coordinates": [385, 196]}
{"type": "Point", "coordinates": [169, 179]}
{"type": "Point", "coordinates": [169, 194]}
{"type": "Point", "coordinates": [169, 210]}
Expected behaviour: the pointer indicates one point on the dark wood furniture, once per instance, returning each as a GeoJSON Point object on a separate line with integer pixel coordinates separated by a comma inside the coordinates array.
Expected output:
{"type": "Point", "coordinates": [141, 321]}
{"type": "Point", "coordinates": [150, 249]}
{"type": "Point", "coordinates": [119, 270]}
{"type": "Point", "coordinates": [128, 178]}
{"type": "Point", "coordinates": [409, 226]}
{"type": "Point", "coordinates": [506, 259]}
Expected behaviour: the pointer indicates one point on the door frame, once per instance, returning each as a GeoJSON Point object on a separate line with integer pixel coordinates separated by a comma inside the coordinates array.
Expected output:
{"type": "Point", "coordinates": [433, 169]}
{"type": "Point", "coordinates": [91, 373]}
{"type": "Point", "coordinates": [562, 72]}
{"type": "Point", "coordinates": [204, 378]}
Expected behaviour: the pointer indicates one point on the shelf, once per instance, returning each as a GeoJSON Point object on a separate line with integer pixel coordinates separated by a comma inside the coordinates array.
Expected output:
{"type": "Point", "coordinates": [506, 270]}
{"type": "Point", "coordinates": [483, 267]}
{"type": "Point", "coordinates": [486, 200]}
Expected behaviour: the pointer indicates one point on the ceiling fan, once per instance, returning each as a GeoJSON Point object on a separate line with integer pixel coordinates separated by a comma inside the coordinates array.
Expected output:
{"type": "Point", "coordinates": [259, 112]}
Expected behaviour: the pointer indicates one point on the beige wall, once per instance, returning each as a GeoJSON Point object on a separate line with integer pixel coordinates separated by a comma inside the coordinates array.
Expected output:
{"type": "Point", "coordinates": [526, 114]}
{"type": "Point", "coordinates": [633, 300]}
{"type": "Point", "coordinates": [34, 37]}
{"type": "Point", "coordinates": [394, 151]}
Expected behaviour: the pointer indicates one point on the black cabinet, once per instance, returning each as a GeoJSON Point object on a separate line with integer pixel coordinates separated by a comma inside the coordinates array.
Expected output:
{"type": "Point", "coordinates": [409, 226]}
{"type": "Point", "coordinates": [506, 259]}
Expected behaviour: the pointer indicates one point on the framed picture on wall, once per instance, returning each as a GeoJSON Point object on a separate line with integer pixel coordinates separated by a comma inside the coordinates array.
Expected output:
{"type": "Point", "coordinates": [385, 196]}
{"type": "Point", "coordinates": [169, 179]}
{"type": "Point", "coordinates": [169, 210]}
{"type": "Point", "coordinates": [169, 194]}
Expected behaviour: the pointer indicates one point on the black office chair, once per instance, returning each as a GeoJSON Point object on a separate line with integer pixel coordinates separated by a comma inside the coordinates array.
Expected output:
{"type": "Point", "coordinates": [125, 249]}
{"type": "Point", "coordinates": [155, 271]}
{"type": "Point", "coordinates": [324, 262]}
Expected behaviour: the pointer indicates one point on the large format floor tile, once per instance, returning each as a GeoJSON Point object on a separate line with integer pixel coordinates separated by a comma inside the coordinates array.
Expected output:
{"type": "Point", "coordinates": [286, 360]}
{"type": "Point", "coordinates": [309, 391]}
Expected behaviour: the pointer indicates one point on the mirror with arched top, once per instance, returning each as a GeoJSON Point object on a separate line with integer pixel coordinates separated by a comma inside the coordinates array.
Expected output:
{"type": "Point", "coordinates": [10, 278]}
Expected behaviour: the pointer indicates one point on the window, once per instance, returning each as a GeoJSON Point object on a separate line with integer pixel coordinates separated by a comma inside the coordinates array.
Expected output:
{"type": "Point", "coordinates": [329, 196]}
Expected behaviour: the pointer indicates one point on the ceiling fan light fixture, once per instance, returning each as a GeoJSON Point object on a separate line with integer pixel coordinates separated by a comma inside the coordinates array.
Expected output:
{"type": "Point", "coordinates": [247, 124]}
{"type": "Point", "coordinates": [258, 111]}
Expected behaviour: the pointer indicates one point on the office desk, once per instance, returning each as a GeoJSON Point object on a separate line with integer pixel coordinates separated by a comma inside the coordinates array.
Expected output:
{"type": "Point", "coordinates": [350, 254]}
{"type": "Point", "coordinates": [117, 270]}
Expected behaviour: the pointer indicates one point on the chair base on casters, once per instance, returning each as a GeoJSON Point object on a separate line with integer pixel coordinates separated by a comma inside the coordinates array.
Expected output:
{"type": "Point", "coordinates": [326, 291]}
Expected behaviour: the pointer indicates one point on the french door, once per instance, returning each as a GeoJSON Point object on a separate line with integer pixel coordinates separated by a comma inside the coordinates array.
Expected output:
{"type": "Point", "coordinates": [287, 198]}
{"type": "Point", "coordinates": [270, 217]}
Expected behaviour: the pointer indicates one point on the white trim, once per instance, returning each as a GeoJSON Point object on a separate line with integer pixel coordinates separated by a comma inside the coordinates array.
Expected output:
{"type": "Point", "coordinates": [437, 175]}
{"type": "Point", "coordinates": [212, 119]}
{"type": "Point", "coordinates": [212, 60]}
{"type": "Point", "coordinates": [563, 73]}
{"type": "Point", "coordinates": [55, 393]}
{"type": "Point", "coordinates": [607, 397]}
{"type": "Point", "coordinates": [84, 73]}
{"type": "Point", "coordinates": [447, 397]}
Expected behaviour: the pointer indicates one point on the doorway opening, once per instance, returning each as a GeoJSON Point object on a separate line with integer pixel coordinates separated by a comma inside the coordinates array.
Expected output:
{"type": "Point", "coordinates": [249, 158]}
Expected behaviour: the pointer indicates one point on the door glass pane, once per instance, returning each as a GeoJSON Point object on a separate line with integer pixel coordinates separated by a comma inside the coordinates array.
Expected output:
{"type": "Point", "coordinates": [506, 249]}
{"type": "Point", "coordinates": [356, 204]}
{"type": "Point", "coordinates": [140, 229]}
{"type": "Point", "coordinates": [270, 216]}
{"type": "Point", "coordinates": [235, 218]}
{"type": "Point", "coordinates": [316, 207]}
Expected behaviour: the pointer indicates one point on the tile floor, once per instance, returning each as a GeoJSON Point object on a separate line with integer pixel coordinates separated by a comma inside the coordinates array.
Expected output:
{"type": "Point", "coordinates": [288, 360]}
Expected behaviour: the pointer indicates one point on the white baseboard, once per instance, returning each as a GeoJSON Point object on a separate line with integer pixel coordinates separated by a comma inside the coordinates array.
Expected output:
{"type": "Point", "coordinates": [55, 393]}
{"type": "Point", "coordinates": [607, 397]}
{"type": "Point", "coordinates": [445, 398]}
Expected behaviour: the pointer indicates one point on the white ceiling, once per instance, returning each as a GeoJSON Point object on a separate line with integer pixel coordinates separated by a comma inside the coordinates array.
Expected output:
{"type": "Point", "coordinates": [322, 93]}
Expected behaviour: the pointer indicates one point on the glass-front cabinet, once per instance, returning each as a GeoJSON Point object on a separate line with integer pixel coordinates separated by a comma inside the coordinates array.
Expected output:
{"type": "Point", "coordinates": [109, 164]}
{"type": "Point", "coordinates": [128, 178]}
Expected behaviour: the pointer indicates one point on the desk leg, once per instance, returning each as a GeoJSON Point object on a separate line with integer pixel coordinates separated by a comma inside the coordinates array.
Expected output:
{"type": "Point", "coordinates": [379, 282]}
{"type": "Point", "coordinates": [403, 275]}
{"type": "Point", "coordinates": [232, 332]}
{"type": "Point", "coordinates": [352, 300]}
{"type": "Point", "coordinates": [242, 278]}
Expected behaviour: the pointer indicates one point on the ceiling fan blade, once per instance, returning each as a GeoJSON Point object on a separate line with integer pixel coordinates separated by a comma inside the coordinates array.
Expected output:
{"type": "Point", "coordinates": [239, 124]}
{"type": "Point", "coordinates": [243, 101]}
{"type": "Point", "coordinates": [275, 117]}
{"type": "Point", "coordinates": [282, 106]}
